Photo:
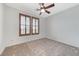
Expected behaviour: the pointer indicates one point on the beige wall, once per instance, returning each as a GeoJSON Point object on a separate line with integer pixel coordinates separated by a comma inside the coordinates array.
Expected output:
{"type": "Point", "coordinates": [12, 28]}
{"type": "Point", "coordinates": [1, 28]}
{"type": "Point", "coordinates": [64, 26]}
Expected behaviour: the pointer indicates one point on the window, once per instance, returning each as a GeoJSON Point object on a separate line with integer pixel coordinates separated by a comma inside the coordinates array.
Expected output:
{"type": "Point", "coordinates": [24, 25]}
{"type": "Point", "coordinates": [28, 25]}
{"type": "Point", "coordinates": [35, 25]}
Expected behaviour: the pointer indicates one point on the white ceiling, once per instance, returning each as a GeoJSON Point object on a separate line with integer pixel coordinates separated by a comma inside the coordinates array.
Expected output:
{"type": "Point", "coordinates": [31, 7]}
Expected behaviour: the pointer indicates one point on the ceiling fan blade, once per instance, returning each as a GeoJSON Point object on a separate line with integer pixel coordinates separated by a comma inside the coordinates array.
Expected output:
{"type": "Point", "coordinates": [42, 3]}
{"type": "Point", "coordinates": [50, 6]}
{"type": "Point", "coordinates": [38, 9]}
{"type": "Point", "coordinates": [47, 11]}
{"type": "Point", "coordinates": [40, 13]}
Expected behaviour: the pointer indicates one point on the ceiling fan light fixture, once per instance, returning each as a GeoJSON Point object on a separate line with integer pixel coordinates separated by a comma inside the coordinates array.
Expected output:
{"type": "Point", "coordinates": [42, 10]}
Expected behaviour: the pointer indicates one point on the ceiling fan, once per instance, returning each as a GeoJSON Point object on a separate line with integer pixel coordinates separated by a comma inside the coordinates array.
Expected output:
{"type": "Point", "coordinates": [44, 8]}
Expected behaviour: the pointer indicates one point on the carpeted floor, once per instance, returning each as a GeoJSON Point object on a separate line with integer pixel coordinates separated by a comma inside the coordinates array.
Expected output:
{"type": "Point", "coordinates": [42, 47]}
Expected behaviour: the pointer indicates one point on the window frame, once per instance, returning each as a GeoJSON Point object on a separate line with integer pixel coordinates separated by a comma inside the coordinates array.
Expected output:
{"type": "Point", "coordinates": [20, 14]}
{"type": "Point", "coordinates": [35, 25]}
{"type": "Point", "coordinates": [31, 25]}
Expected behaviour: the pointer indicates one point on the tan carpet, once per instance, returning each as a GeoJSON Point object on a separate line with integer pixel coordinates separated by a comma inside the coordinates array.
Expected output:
{"type": "Point", "coordinates": [42, 47]}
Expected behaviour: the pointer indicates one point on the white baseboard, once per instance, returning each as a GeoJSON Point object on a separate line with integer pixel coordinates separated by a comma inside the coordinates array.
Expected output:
{"type": "Point", "coordinates": [15, 43]}
{"type": "Point", "coordinates": [19, 42]}
{"type": "Point", "coordinates": [1, 50]}
{"type": "Point", "coordinates": [65, 42]}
